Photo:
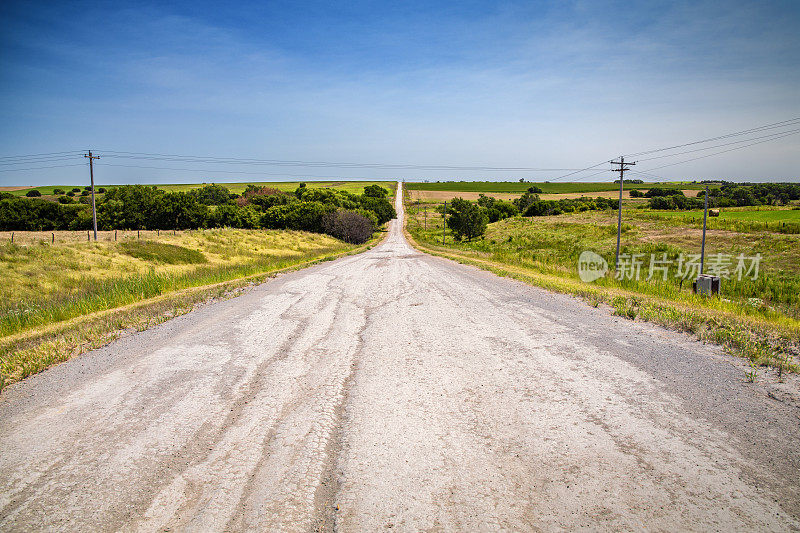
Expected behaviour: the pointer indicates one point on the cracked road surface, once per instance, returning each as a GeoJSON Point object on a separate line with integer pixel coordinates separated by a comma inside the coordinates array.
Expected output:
{"type": "Point", "coordinates": [393, 389]}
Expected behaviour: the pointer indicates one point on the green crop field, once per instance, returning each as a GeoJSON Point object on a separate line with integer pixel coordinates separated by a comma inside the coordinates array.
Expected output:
{"type": "Point", "coordinates": [547, 188]}
{"type": "Point", "coordinates": [349, 186]}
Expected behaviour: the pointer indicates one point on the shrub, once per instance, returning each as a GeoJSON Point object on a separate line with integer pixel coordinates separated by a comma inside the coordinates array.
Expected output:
{"type": "Point", "coordinates": [71, 194]}
{"type": "Point", "coordinates": [58, 191]}
{"type": "Point", "coordinates": [33, 193]}
{"type": "Point", "coordinates": [658, 191]}
{"type": "Point", "coordinates": [85, 192]}
{"type": "Point", "coordinates": [466, 220]}
{"type": "Point", "coordinates": [34, 214]}
{"type": "Point", "coordinates": [65, 200]}
{"type": "Point", "coordinates": [348, 226]}
{"type": "Point", "coordinates": [76, 189]}
{"type": "Point", "coordinates": [382, 208]}
{"type": "Point", "coordinates": [263, 197]}
{"type": "Point", "coordinates": [523, 202]}
{"type": "Point", "coordinates": [375, 191]}
{"type": "Point", "coordinates": [305, 216]}
{"type": "Point", "coordinates": [212, 194]}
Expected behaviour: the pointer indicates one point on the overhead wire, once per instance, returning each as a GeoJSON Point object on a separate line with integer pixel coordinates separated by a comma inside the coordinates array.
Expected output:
{"type": "Point", "coordinates": [723, 151]}
{"type": "Point", "coordinates": [782, 124]}
{"type": "Point", "coordinates": [48, 157]}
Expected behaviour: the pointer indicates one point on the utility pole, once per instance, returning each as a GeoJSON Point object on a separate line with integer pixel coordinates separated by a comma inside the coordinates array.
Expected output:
{"type": "Point", "coordinates": [622, 168]}
{"type": "Point", "coordinates": [703, 245]}
{"type": "Point", "coordinates": [91, 177]}
{"type": "Point", "coordinates": [444, 221]}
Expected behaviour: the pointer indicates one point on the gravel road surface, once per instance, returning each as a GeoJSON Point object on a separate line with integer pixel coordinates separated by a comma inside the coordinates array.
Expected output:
{"type": "Point", "coordinates": [394, 390]}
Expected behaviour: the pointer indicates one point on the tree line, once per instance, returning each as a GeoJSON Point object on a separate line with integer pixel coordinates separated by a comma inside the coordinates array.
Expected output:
{"type": "Point", "coordinates": [347, 216]}
{"type": "Point", "coordinates": [726, 195]}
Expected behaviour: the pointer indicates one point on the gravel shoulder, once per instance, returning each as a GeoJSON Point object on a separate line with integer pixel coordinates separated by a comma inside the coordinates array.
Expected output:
{"type": "Point", "coordinates": [398, 390]}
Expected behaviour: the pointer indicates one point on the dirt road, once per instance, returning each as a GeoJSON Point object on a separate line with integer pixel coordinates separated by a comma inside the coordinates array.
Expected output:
{"type": "Point", "coordinates": [393, 390]}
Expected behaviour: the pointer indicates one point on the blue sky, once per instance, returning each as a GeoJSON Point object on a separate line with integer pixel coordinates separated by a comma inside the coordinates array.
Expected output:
{"type": "Point", "coordinates": [499, 84]}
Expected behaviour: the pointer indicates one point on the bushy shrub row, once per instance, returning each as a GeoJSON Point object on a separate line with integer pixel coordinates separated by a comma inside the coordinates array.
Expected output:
{"type": "Point", "coordinates": [530, 205]}
{"type": "Point", "coordinates": [341, 214]}
{"type": "Point", "coordinates": [727, 195]}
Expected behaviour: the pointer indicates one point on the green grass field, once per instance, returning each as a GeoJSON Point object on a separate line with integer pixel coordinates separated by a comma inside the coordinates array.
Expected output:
{"type": "Point", "coordinates": [547, 188]}
{"type": "Point", "coordinates": [349, 186]}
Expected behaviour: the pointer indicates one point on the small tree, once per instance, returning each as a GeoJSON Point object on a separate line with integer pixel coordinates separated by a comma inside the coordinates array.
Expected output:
{"type": "Point", "coordinates": [348, 226]}
{"type": "Point", "coordinates": [466, 220]}
{"type": "Point", "coordinates": [375, 191]}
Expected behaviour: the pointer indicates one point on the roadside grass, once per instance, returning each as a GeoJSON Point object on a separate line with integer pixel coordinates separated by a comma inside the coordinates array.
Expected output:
{"type": "Point", "coordinates": [758, 319]}
{"type": "Point", "coordinates": [547, 188]}
{"type": "Point", "coordinates": [61, 300]}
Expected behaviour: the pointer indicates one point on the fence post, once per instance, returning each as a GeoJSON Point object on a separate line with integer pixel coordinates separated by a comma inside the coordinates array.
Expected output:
{"type": "Point", "coordinates": [87, 236]}
{"type": "Point", "coordinates": [12, 237]}
{"type": "Point", "coordinates": [115, 235]}
{"type": "Point", "coordinates": [137, 233]}
{"type": "Point", "coordinates": [54, 238]}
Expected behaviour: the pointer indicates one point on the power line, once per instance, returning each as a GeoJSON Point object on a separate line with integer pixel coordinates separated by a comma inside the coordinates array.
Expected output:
{"type": "Point", "coordinates": [724, 151]}
{"type": "Point", "coordinates": [40, 168]}
{"type": "Point", "coordinates": [74, 152]}
{"type": "Point", "coordinates": [36, 160]}
{"type": "Point", "coordinates": [775, 135]}
{"type": "Point", "coordinates": [770, 137]}
{"type": "Point", "coordinates": [581, 170]}
{"type": "Point", "coordinates": [331, 164]}
{"type": "Point", "coordinates": [784, 123]}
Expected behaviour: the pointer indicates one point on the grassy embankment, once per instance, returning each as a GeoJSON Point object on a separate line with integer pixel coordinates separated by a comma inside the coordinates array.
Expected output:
{"type": "Point", "coordinates": [757, 319]}
{"type": "Point", "coordinates": [60, 300]}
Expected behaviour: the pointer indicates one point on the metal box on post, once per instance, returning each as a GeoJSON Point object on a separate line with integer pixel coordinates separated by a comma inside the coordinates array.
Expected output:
{"type": "Point", "coordinates": [706, 284]}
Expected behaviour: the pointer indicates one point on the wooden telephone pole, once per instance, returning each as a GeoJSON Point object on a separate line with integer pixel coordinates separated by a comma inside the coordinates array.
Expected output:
{"type": "Point", "coordinates": [703, 245]}
{"type": "Point", "coordinates": [622, 168]}
{"type": "Point", "coordinates": [444, 222]}
{"type": "Point", "coordinates": [91, 177]}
